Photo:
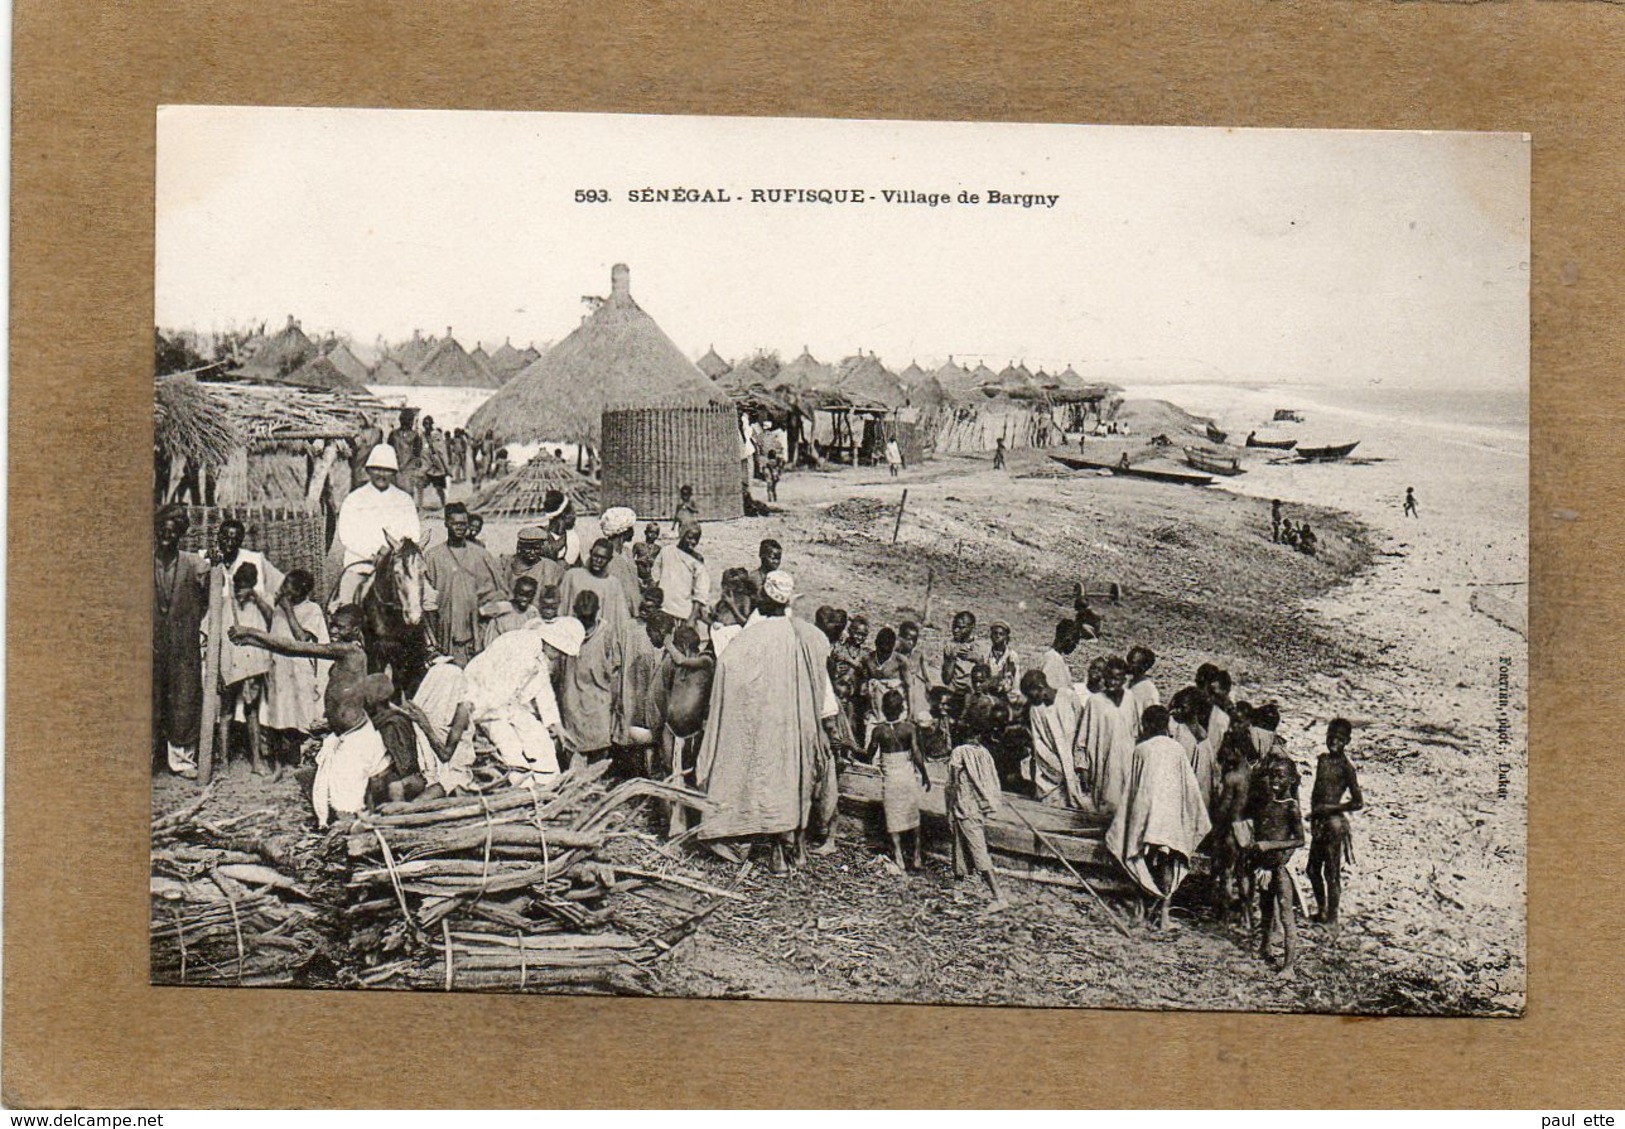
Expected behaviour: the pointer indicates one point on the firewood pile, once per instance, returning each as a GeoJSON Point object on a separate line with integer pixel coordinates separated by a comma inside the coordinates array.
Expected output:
{"type": "Point", "coordinates": [225, 908]}
{"type": "Point", "coordinates": [552, 885]}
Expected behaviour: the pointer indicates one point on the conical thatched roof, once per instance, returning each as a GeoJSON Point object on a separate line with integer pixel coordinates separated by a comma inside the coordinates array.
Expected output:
{"type": "Point", "coordinates": [482, 358]}
{"type": "Point", "coordinates": [955, 379]}
{"type": "Point", "coordinates": [617, 356]}
{"type": "Point", "coordinates": [712, 365]}
{"type": "Point", "coordinates": [319, 372]}
{"type": "Point", "coordinates": [981, 376]}
{"type": "Point", "coordinates": [506, 361]}
{"type": "Point", "coordinates": [1016, 378]}
{"type": "Point", "coordinates": [410, 354]}
{"type": "Point", "coordinates": [531, 353]}
{"type": "Point", "coordinates": [520, 492]}
{"type": "Point", "coordinates": [281, 353]}
{"type": "Point", "coordinates": [805, 374]}
{"type": "Point", "coordinates": [343, 358]}
{"type": "Point", "coordinates": [927, 392]}
{"type": "Point", "coordinates": [864, 381]}
{"type": "Point", "coordinates": [912, 375]}
{"type": "Point", "coordinates": [387, 372]}
{"type": "Point", "coordinates": [1069, 380]}
{"type": "Point", "coordinates": [448, 365]}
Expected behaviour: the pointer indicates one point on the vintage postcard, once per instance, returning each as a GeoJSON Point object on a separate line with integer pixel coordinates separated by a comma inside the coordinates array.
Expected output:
{"type": "Point", "coordinates": [1047, 565]}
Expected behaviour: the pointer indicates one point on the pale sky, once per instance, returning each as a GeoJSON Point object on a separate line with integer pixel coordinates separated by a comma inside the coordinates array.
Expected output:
{"type": "Point", "coordinates": [1249, 255]}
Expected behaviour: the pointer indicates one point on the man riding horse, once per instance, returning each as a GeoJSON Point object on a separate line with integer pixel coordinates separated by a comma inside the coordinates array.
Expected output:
{"type": "Point", "coordinates": [371, 516]}
{"type": "Point", "coordinates": [380, 535]}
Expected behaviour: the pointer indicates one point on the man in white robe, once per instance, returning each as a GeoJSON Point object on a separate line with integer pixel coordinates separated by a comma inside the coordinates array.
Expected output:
{"type": "Point", "coordinates": [511, 689]}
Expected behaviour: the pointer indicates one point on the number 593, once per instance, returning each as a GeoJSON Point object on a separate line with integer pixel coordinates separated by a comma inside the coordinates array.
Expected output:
{"type": "Point", "coordinates": [592, 196]}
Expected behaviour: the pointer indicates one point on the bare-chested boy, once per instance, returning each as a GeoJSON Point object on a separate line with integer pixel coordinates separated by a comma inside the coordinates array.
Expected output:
{"type": "Point", "coordinates": [1277, 832]}
{"type": "Point", "coordinates": [1330, 845]}
{"type": "Point", "coordinates": [353, 752]}
{"type": "Point", "coordinates": [685, 695]}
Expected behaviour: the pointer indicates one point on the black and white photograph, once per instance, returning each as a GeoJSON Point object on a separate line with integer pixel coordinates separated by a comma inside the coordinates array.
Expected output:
{"type": "Point", "coordinates": [858, 561]}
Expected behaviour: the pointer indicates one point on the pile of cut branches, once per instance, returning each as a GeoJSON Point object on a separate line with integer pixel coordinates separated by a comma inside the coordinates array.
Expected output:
{"type": "Point", "coordinates": [539, 887]}
{"type": "Point", "coordinates": [224, 907]}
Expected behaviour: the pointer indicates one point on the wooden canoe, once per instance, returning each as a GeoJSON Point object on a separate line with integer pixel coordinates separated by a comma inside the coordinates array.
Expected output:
{"type": "Point", "coordinates": [1080, 835]}
{"type": "Point", "coordinates": [1179, 478]}
{"type": "Point", "coordinates": [1215, 435]}
{"type": "Point", "coordinates": [1326, 454]}
{"type": "Point", "coordinates": [1271, 444]}
{"type": "Point", "coordinates": [1212, 462]}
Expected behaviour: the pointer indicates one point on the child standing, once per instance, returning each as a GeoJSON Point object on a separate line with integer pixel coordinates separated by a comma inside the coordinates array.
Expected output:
{"type": "Point", "coordinates": [894, 745]}
{"type": "Point", "coordinates": [973, 794]}
{"type": "Point", "coordinates": [1277, 832]}
{"type": "Point", "coordinates": [688, 513]}
{"type": "Point", "coordinates": [292, 705]}
{"type": "Point", "coordinates": [1330, 844]}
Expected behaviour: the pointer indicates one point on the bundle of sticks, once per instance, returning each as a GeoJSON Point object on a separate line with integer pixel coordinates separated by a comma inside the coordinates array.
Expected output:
{"type": "Point", "coordinates": [547, 885]}
{"type": "Point", "coordinates": [225, 907]}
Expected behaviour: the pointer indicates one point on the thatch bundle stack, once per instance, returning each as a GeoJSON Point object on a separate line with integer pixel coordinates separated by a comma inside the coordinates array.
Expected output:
{"type": "Point", "coordinates": [191, 422]}
{"type": "Point", "coordinates": [521, 492]}
{"type": "Point", "coordinates": [224, 907]}
{"type": "Point", "coordinates": [536, 887]}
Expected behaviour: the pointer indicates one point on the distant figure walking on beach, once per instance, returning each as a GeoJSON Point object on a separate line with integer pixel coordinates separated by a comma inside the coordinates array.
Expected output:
{"type": "Point", "coordinates": [1275, 521]}
{"type": "Point", "coordinates": [998, 454]}
{"type": "Point", "coordinates": [1410, 503]}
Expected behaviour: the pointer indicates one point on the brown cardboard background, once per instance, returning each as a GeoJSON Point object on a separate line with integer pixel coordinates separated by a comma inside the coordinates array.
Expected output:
{"type": "Point", "coordinates": [82, 1028]}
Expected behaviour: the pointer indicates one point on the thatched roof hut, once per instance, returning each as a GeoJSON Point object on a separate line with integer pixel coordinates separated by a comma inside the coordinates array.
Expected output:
{"type": "Point", "coordinates": [805, 374]}
{"type": "Point", "coordinates": [448, 365]}
{"type": "Point", "coordinates": [912, 375]}
{"type": "Point", "coordinates": [410, 354]}
{"type": "Point", "coordinates": [712, 365]}
{"type": "Point", "coordinates": [278, 355]}
{"type": "Point", "coordinates": [388, 372]}
{"type": "Point", "coordinates": [321, 372]}
{"type": "Point", "coordinates": [927, 392]}
{"type": "Point", "coordinates": [617, 355]}
{"type": "Point", "coordinates": [531, 353]}
{"type": "Point", "coordinates": [1016, 378]}
{"type": "Point", "coordinates": [343, 358]}
{"type": "Point", "coordinates": [865, 382]}
{"type": "Point", "coordinates": [506, 361]}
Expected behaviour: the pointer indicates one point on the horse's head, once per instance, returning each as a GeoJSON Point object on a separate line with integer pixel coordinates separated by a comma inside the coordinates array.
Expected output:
{"type": "Point", "coordinates": [401, 566]}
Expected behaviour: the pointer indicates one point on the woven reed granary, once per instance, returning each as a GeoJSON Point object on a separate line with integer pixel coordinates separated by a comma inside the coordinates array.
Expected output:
{"type": "Point", "coordinates": [651, 451]}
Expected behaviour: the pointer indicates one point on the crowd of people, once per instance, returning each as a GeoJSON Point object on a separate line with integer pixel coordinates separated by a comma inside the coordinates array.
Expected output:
{"type": "Point", "coordinates": [626, 649]}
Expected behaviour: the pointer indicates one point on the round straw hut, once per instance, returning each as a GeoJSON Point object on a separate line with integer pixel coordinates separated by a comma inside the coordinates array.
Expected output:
{"type": "Point", "coordinates": [617, 377]}
{"type": "Point", "coordinates": [712, 364]}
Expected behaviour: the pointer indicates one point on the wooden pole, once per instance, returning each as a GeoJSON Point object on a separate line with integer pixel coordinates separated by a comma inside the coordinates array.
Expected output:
{"type": "Point", "coordinates": [209, 712]}
{"type": "Point", "coordinates": [1050, 843]}
{"type": "Point", "coordinates": [901, 506]}
{"type": "Point", "coordinates": [925, 606]}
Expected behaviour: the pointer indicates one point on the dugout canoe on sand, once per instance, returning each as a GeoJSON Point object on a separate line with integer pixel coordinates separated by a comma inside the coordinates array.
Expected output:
{"type": "Point", "coordinates": [1325, 454]}
{"type": "Point", "coordinates": [1178, 478]}
{"type": "Point", "coordinates": [1211, 462]}
{"type": "Point", "coordinates": [1080, 835]}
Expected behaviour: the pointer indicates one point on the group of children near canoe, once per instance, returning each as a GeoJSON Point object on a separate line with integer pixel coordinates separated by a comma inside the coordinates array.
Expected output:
{"type": "Point", "coordinates": [1002, 728]}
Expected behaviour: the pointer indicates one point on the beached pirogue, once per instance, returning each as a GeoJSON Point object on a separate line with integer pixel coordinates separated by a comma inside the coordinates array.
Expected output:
{"type": "Point", "coordinates": [1326, 454]}
{"type": "Point", "coordinates": [1212, 462]}
{"type": "Point", "coordinates": [1177, 477]}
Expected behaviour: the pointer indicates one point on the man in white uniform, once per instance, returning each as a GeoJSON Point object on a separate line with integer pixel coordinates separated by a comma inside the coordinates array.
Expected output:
{"type": "Point", "coordinates": [369, 517]}
{"type": "Point", "coordinates": [510, 687]}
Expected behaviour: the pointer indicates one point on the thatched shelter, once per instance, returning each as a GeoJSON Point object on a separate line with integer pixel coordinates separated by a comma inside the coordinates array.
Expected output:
{"type": "Point", "coordinates": [531, 353]}
{"type": "Point", "coordinates": [272, 456]}
{"type": "Point", "coordinates": [520, 492]}
{"type": "Point", "coordinates": [912, 375]}
{"type": "Point", "coordinates": [713, 365]}
{"type": "Point", "coordinates": [410, 354]}
{"type": "Point", "coordinates": [617, 355]}
{"type": "Point", "coordinates": [448, 365]}
{"type": "Point", "coordinates": [1015, 378]}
